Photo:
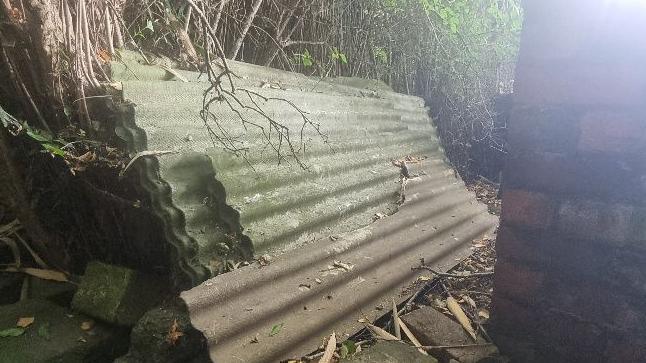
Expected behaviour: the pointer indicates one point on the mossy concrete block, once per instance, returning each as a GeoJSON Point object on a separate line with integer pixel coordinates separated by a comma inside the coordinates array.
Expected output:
{"type": "Point", "coordinates": [116, 294]}
{"type": "Point", "coordinates": [56, 336]}
{"type": "Point", "coordinates": [390, 352]}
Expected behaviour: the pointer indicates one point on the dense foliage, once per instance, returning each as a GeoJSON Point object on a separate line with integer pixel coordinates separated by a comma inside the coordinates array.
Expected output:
{"type": "Point", "coordinates": [457, 54]}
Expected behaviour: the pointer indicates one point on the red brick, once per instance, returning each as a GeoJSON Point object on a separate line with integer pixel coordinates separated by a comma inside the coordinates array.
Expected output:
{"type": "Point", "coordinates": [515, 246]}
{"type": "Point", "coordinates": [579, 84]}
{"type": "Point", "coordinates": [547, 171]}
{"type": "Point", "coordinates": [518, 282]}
{"type": "Point", "coordinates": [551, 129]}
{"type": "Point", "coordinates": [626, 350]}
{"type": "Point", "coordinates": [568, 336]}
{"type": "Point", "coordinates": [598, 221]}
{"type": "Point", "coordinates": [621, 179]}
{"type": "Point", "coordinates": [551, 32]}
{"type": "Point", "coordinates": [529, 209]}
{"type": "Point", "coordinates": [613, 132]}
{"type": "Point", "coordinates": [508, 316]}
{"type": "Point", "coordinates": [590, 300]}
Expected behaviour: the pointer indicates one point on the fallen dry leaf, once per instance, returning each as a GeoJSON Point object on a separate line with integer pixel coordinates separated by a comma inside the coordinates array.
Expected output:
{"type": "Point", "coordinates": [343, 265]}
{"type": "Point", "coordinates": [87, 325]}
{"type": "Point", "coordinates": [104, 56]}
{"type": "Point", "coordinates": [396, 321]}
{"type": "Point", "coordinates": [381, 333]}
{"type": "Point", "coordinates": [40, 273]}
{"type": "Point", "coordinates": [484, 314]}
{"type": "Point", "coordinates": [456, 310]}
{"type": "Point", "coordinates": [328, 355]}
{"type": "Point", "coordinates": [25, 322]}
{"type": "Point", "coordinates": [412, 337]}
{"type": "Point", "coordinates": [174, 333]}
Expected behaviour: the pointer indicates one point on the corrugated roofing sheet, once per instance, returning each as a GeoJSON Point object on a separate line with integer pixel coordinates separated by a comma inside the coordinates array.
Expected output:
{"type": "Point", "coordinates": [308, 297]}
{"type": "Point", "coordinates": [206, 194]}
{"type": "Point", "coordinates": [307, 220]}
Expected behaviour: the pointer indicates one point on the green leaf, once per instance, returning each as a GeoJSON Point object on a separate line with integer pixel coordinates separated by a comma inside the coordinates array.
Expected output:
{"type": "Point", "coordinates": [38, 137]}
{"type": "Point", "coordinates": [43, 331]}
{"type": "Point", "coordinates": [344, 60]}
{"type": "Point", "coordinates": [275, 329]}
{"type": "Point", "coordinates": [348, 348]}
{"type": "Point", "coordinates": [54, 149]}
{"type": "Point", "coordinates": [308, 61]}
{"type": "Point", "coordinates": [149, 25]}
{"type": "Point", "coordinates": [12, 332]}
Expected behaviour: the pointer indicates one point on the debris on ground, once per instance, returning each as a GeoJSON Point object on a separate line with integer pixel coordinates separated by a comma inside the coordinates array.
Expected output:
{"type": "Point", "coordinates": [445, 317]}
{"type": "Point", "coordinates": [40, 331]}
{"type": "Point", "coordinates": [487, 192]}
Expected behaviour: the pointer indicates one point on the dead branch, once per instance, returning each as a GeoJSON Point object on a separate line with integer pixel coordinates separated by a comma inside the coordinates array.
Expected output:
{"type": "Point", "coordinates": [446, 274]}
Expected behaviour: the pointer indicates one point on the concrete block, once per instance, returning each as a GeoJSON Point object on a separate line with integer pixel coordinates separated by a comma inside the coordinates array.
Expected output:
{"type": "Point", "coordinates": [390, 352]}
{"type": "Point", "coordinates": [431, 327]}
{"type": "Point", "coordinates": [115, 294]}
{"type": "Point", "coordinates": [56, 336]}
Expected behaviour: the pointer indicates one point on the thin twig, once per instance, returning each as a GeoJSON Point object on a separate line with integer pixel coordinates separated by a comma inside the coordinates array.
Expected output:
{"type": "Point", "coordinates": [435, 347]}
{"type": "Point", "coordinates": [446, 274]}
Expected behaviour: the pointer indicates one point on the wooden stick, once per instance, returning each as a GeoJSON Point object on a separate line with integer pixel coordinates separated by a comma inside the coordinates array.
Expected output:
{"type": "Point", "coordinates": [432, 347]}
{"type": "Point", "coordinates": [446, 274]}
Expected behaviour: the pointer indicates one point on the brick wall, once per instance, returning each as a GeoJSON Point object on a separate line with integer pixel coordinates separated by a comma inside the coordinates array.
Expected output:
{"type": "Point", "coordinates": [570, 281]}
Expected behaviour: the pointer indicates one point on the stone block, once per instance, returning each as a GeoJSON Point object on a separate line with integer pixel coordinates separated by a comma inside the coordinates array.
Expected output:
{"type": "Point", "coordinates": [528, 209]}
{"type": "Point", "coordinates": [56, 336]}
{"type": "Point", "coordinates": [390, 352]}
{"type": "Point", "coordinates": [115, 294]}
{"type": "Point", "coordinates": [431, 327]}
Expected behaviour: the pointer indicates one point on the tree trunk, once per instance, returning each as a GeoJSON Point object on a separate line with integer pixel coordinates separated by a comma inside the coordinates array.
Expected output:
{"type": "Point", "coordinates": [252, 15]}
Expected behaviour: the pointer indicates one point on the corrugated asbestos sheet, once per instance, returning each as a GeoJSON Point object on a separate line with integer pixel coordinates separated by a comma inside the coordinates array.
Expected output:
{"type": "Point", "coordinates": [311, 222]}
{"type": "Point", "coordinates": [332, 283]}
{"type": "Point", "coordinates": [200, 190]}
